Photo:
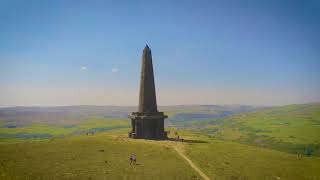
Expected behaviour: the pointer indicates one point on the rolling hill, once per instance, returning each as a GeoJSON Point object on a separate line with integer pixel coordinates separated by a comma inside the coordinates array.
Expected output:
{"type": "Point", "coordinates": [106, 156]}
{"type": "Point", "coordinates": [246, 143]}
{"type": "Point", "coordinates": [292, 128]}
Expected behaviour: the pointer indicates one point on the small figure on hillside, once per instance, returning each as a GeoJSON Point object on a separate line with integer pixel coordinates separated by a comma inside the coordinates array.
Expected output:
{"type": "Point", "coordinates": [178, 138]}
{"type": "Point", "coordinates": [133, 159]}
{"type": "Point", "coordinates": [182, 139]}
{"type": "Point", "coordinates": [90, 133]}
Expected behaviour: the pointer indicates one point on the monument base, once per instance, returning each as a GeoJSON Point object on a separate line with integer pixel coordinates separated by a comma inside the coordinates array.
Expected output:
{"type": "Point", "coordinates": [134, 136]}
{"type": "Point", "coordinates": [147, 125]}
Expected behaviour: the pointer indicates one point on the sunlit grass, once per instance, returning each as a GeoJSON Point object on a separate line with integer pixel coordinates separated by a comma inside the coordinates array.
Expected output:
{"type": "Point", "coordinates": [40, 131]}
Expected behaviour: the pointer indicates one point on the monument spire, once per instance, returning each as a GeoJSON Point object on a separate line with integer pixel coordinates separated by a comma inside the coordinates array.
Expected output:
{"type": "Point", "coordinates": [147, 123]}
{"type": "Point", "coordinates": [147, 98]}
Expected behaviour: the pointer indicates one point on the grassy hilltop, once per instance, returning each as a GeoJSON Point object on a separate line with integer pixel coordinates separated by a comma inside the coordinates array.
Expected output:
{"type": "Point", "coordinates": [262, 143]}
{"type": "Point", "coordinates": [105, 156]}
{"type": "Point", "coordinates": [102, 156]}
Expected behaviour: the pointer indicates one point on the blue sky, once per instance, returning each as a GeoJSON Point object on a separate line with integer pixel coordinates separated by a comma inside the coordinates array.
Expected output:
{"type": "Point", "coordinates": [205, 52]}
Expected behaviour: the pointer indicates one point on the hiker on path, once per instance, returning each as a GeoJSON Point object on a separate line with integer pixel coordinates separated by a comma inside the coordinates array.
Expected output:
{"type": "Point", "coordinates": [133, 159]}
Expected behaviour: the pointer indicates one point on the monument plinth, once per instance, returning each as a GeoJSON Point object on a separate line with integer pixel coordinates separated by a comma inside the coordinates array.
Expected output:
{"type": "Point", "coordinates": [147, 123]}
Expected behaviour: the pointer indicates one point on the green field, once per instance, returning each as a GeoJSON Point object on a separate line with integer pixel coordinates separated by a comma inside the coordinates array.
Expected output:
{"type": "Point", "coordinates": [293, 128]}
{"type": "Point", "coordinates": [45, 131]}
{"type": "Point", "coordinates": [90, 157]}
{"type": "Point", "coordinates": [231, 160]}
{"type": "Point", "coordinates": [105, 156]}
{"type": "Point", "coordinates": [272, 143]}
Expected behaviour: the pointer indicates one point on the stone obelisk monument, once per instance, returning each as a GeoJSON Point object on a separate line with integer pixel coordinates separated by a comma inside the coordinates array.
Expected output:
{"type": "Point", "coordinates": [147, 123]}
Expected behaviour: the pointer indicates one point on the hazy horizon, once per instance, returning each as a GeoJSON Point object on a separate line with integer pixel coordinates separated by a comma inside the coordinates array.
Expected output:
{"type": "Point", "coordinates": [159, 105]}
{"type": "Point", "coordinates": [58, 53]}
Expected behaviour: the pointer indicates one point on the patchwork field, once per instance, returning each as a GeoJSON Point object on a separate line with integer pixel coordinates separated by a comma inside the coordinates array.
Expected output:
{"type": "Point", "coordinates": [293, 128]}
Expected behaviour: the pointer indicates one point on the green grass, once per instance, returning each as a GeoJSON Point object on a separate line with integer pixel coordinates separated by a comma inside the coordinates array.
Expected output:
{"type": "Point", "coordinates": [231, 160]}
{"type": "Point", "coordinates": [256, 145]}
{"type": "Point", "coordinates": [105, 156]}
{"type": "Point", "coordinates": [45, 131]}
{"type": "Point", "coordinates": [292, 128]}
{"type": "Point", "coordinates": [91, 157]}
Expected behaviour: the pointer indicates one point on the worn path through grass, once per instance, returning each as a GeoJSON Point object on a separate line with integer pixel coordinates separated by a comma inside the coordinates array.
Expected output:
{"type": "Point", "coordinates": [204, 176]}
{"type": "Point", "coordinates": [177, 146]}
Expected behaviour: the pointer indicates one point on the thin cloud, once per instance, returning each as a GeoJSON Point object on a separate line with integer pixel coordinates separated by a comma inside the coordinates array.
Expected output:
{"type": "Point", "coordinates": [83, 68]}
{"type": "Point", "coordinates": [115, 70]}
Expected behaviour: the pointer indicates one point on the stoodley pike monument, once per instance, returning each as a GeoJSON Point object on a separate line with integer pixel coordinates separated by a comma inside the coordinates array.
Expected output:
{"type": "Point", "coordinates": [147, 123]}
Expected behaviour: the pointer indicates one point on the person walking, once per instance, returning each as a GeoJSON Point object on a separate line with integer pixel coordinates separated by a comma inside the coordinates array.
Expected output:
{"type": "Point", "coordinates": [133, 159]}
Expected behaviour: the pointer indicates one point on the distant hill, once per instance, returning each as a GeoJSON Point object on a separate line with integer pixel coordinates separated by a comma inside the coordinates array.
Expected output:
{"type": "Point", "coordinates": [291, 128]}
{"type": "Point", "coordinates": [21, 123]}
{"type": "Point", "coordinates": [180, 115]}
{"type": "Point", "coordinates": [20, 116]}
{"type": "Point", "coordinates": [61, 115]}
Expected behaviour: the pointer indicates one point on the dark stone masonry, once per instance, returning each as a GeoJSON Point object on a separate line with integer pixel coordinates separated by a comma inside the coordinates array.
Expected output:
{"type": "Point", "coordinates": [147, 123]}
